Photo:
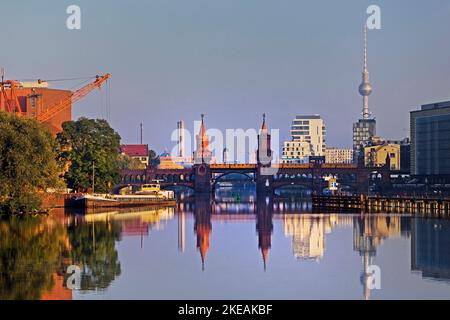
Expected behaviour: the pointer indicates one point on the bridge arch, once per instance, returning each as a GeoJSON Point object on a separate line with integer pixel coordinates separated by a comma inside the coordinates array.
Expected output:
{"type": "Point", "coordinates": [247, 177]}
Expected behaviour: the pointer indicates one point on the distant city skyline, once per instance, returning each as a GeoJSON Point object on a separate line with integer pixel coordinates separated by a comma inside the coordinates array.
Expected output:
{"type": "Point", "coordinates": [234, 60]}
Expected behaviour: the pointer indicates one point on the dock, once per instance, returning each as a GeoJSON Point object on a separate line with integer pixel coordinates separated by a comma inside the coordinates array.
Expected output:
{"type": "Point", "coordinates": [424, 206]}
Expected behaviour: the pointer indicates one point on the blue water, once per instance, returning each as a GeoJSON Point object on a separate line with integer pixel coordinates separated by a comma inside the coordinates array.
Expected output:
{"type": "Point", "coordinates": [228, 250]}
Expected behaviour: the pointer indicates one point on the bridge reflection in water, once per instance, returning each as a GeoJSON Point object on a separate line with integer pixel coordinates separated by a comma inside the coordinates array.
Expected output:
{"type": "Point", "coordinates": [309, 232]}
{"type": "Point", "coordinates": [102, 245]}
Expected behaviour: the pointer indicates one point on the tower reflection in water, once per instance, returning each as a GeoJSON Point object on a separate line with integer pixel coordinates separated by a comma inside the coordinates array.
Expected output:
{"type": "Point", "coordinates": [51, 244]}
{"type": "Point", "coordinates": [429, 238]}
{"type": "Point", "coordinates": [264, 226]}
{"type": "Point", "coordinates": [204, 208]}
{"type": "Point", "coordinates": [369, 233]}
{"type": "Point", "coordinates": [202, 225]}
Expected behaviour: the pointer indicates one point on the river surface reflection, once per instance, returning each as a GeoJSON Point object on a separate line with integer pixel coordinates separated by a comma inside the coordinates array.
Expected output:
{"type": "Point", "coordinates": [253, 249]}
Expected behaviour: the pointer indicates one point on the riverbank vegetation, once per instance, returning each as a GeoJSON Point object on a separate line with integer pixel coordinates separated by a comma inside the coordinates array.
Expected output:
{"type": "Point", "coordinates": [28, 164]}
{"type": "Point", "coordinates": [32, 162]}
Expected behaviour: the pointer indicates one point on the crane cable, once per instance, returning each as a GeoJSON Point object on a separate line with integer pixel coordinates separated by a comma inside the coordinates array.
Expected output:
{"type": "Point", "coordinates": [70, 79]}
{"type": "Point", "coordinates": [101, 104]}
{"type": "Point", "coordinates": [57, 98]}
{"type": "Point", "coordinates": [105, 102]}
{"type": "Point", "coordinates": [85, 80]}
{"type": "Point", "coordinates": [108, 99]}
{"type": "Point", "coordinates": [57, 80]}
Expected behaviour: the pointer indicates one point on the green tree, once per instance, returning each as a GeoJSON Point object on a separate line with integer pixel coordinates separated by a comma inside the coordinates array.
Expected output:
{"type": "Point", "coordinates": [151, 156]}
{"type": "Point", "coordinates": [86, 143]}
{"type": "Point", "coordinates": [154, 159]}
{"type": "Point", "coordinates": [27, 164]}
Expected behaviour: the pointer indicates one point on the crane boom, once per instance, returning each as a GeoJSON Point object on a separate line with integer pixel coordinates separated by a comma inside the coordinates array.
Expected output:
{"type": "Point", "coordinates": [51, 111]}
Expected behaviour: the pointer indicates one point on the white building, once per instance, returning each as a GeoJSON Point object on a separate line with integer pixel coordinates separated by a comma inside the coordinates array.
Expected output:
{"type": "Point", "coordinates": [308, 139]}
{"type": "Point", "coordinates": [296, 151]}
{"type": "Point", "coordinates": [339, 156]}
{"type": "Point", "coordinates": [310, 129]}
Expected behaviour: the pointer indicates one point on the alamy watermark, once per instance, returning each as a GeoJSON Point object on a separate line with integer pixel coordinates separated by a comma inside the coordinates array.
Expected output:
{"type": "Point", "coordinates": [233, 145]}
{"type": "Point", "coordinates": [374, 20]}
{"type": "Point", "coordinates": [74, 280]}
{"type": "Point", "coordinates": [73, 21]}
{"type": "Point", "coordinates": [373, 277]}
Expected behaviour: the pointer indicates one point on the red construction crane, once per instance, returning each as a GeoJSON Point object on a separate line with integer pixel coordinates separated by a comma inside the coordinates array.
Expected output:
{"type": "Point", "coordinates": [74, 97]}
{"type": "Point", "coordinates": [12, 104]}
{"type": "Point", "coordinates": [11, 101]}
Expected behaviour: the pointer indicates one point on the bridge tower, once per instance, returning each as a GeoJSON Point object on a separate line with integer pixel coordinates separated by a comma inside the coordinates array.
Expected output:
{"type": "Point", "coordinates": [202, 160]}
{"type": "Point", "coordinates": [265, 172]}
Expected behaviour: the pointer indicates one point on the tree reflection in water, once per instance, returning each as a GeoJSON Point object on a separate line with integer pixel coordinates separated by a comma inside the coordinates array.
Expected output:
{"type": "Point", "coordinates": [36, 251]}
{"type": "Point", "coordinates": [30, 251]}
{"type": "Point", "coordinates": [94, 251]}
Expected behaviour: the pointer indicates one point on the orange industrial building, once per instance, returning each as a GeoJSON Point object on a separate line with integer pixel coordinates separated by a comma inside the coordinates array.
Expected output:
{"type": "Point", "coordinates": [36, 100]}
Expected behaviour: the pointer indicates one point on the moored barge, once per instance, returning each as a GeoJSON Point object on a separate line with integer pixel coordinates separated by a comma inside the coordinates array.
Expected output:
{"type": "Point", "coordinates": [123, 201]}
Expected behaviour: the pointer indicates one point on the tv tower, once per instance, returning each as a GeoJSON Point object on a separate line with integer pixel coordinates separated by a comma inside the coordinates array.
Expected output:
{"type": "Point", "coordinates": [365, 128]}
{"type": "Point", "coordinates": [365, 89]}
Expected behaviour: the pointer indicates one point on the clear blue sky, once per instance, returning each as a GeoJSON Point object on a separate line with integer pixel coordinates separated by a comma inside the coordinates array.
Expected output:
{"type": "Point", "coordinates": [235, 59]}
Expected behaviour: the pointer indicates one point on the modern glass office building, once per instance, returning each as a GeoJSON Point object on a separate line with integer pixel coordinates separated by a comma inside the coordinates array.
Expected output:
{"type": "Point", "coordinates": [430, 140]}
{"type": "Point", "coordinates": [363, 131]}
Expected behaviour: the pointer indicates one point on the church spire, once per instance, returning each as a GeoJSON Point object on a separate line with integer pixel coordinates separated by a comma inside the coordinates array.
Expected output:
{"type": "Point", "coordinates": [264, 126]}
{"type": "Point", "coordinates": [202, 128]}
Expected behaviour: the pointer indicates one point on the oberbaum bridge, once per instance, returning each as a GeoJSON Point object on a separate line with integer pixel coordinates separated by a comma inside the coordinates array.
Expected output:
{"type": "Point", "coordinates": [203, 176]}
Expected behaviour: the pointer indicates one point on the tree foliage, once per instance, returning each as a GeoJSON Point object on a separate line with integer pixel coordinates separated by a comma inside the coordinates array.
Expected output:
{"type": "Point", "coordinates": [151, 155]}
{"type": "Point", "coordinates": [88, 142]}
{"type": "Point", "coordinates": [27, 164]}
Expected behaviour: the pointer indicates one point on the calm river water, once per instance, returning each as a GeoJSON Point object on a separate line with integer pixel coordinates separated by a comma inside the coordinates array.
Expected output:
{"type": "Point", "coordinates": [245, 249]}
